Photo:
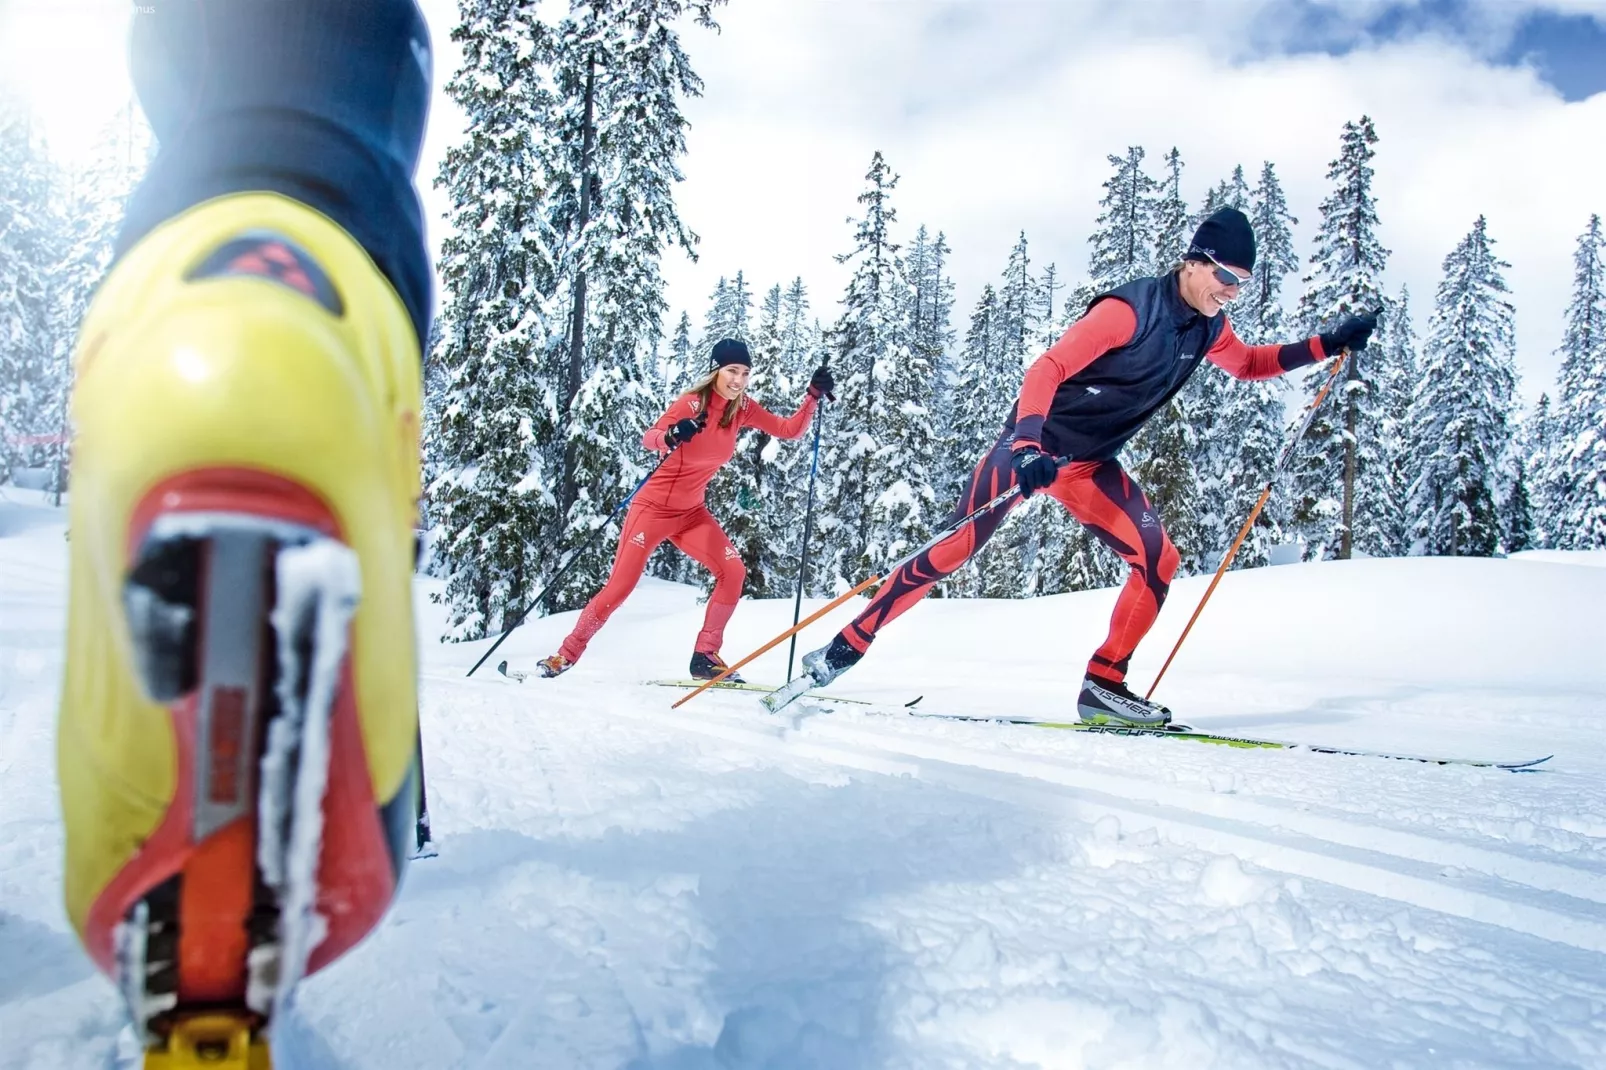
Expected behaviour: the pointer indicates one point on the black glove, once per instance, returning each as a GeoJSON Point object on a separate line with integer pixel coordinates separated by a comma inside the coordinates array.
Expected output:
{"type": "Point", "coordinates": [821, 382]}
{"type": "Point", "coordinates": [1352, 334]}
{"type": "Point", "coordinates": [1034, 470]}
{"type": "Point", "coordinates": [682, 431]}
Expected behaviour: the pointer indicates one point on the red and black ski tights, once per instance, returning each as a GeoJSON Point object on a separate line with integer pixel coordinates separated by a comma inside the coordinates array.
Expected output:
{"type": "Point", "coordinates": [1097, 493]}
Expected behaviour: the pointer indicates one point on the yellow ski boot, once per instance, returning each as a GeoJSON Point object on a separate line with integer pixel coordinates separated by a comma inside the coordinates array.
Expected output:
{"type": "Point", "coordinates": [238, 720]}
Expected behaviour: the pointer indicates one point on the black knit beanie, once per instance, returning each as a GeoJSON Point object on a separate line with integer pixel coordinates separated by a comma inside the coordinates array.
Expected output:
{"type": "Point", "coordinates": [1225, 237]}
{"type": "Point", "coordinates": [730, 351]}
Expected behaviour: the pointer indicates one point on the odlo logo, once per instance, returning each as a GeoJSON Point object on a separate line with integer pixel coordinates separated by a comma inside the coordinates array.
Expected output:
{"type": "Point", "coordinates": [640, 539]}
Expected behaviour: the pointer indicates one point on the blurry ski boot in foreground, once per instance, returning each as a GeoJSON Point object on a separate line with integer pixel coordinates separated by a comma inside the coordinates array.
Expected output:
{"type": "Point", "coordinates": [1104, 702]}
{"type": "Point", "coordinates": [238, 724]}
{"type": "Point", "coordinates": [708, 666]}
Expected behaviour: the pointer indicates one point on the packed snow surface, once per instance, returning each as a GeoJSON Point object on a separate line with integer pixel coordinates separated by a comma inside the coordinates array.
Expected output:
{"type": "Point", "coordinates": [624, 885]}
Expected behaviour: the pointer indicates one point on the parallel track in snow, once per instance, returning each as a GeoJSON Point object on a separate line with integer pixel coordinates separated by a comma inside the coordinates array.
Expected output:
{"type": "Point", "coordinates": [1549, 900]}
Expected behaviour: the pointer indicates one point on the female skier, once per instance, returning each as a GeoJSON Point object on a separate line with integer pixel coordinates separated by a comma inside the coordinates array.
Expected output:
{"type": "Point", "coordinates": [700, 427]}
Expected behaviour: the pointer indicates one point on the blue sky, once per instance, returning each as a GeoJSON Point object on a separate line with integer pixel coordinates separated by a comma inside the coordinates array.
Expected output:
{"type": "Point", "coordinates": [1567, 49]}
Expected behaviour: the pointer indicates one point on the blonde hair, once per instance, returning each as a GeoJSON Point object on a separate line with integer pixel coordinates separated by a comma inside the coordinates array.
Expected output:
{"type": "Point", "coordinates": [704, 389]}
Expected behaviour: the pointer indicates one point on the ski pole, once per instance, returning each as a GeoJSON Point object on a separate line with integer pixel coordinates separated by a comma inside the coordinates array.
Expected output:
{"type": "Point", "coordinates": [808, 528]}
{"type": "Point", "coordinates": [1243, 533]}
{"type": "Point", "coordinates": [562, 571]}
{"type": "Point", "coordinates": [947, 530]}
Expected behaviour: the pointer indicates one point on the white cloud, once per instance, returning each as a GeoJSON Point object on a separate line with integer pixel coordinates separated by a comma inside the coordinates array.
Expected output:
{"type": "Point", "coordinates": [999, 119]}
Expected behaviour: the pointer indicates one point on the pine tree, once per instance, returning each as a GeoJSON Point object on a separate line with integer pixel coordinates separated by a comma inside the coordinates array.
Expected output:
{"type": "Point", "coordinates": [880, 451]}
{"type": "Point", "coordinates": [1463, 403]}
{"type": "Point", "coordinates": [1124, 242]}
{"type": "Point", "coordinates": [1346, 266]}
{"type": "Point", "coordinates": [679, 366]}
{"type": "Point", "coordinates": [1534, 445]}
{"type": "Point", "coordinates": [1173, 229]}
{"type": "Point", "coordinates": [1574, 469]}
{"type": "Point", "coordinates": [1383, 520]}
{"type": "Point", "coordinates": [792, 354]}
{"type": "Point", "coordinates": [1518, 532]}
{"type": "Point", "coordinates": [496, 427]}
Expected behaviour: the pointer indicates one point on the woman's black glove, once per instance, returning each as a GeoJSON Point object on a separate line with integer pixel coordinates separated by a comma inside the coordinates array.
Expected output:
{"type": "Point", "coordinates": [1352, 334]}
{"type": "Point", "coordinates": [821, 382]}
{"type": "Point", "coordinates": [681, 432]}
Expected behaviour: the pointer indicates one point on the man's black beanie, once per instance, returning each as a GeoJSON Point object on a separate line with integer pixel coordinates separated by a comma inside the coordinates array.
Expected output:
{"type": "Point", "coordinates": [1225, 237]}
{"type": "Point", "coordinates": [730, 351]}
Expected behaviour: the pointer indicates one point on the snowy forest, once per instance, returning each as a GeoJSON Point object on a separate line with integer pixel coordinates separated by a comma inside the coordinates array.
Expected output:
{"type": "Point", "coordinates": [555, 346]}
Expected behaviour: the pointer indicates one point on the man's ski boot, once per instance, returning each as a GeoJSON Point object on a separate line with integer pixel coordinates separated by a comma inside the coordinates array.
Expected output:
{"type": "Point", "coordinates": [556, 665]}
{"type": "Point", "coordinates": [708, 666]}
{"type": "Point", "coordinates": [237, 741]}
{"type": "Point", "coordinates": [820, 667]}
{"type": "Point", "coordinates": [1106, 703]}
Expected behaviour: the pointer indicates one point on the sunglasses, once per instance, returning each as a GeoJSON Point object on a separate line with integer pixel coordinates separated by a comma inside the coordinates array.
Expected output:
{"type": "Point", "coordinates": [1225, 275]}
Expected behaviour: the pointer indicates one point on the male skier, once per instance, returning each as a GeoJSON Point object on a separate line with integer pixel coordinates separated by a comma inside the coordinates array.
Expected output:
{"type": "Point", "coordinates": [1082, 400]}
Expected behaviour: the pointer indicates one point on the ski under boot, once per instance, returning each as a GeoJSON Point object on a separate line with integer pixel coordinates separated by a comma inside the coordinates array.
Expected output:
{"type": "Point", "coordinates": [556, 665]}
{"type": "Point", "coordinates": [820, 667]}
{"type": "Point", "coordinates": [708, 666]}
{"type": "Point", "coordinates": [1104, 702]}
{"type": "Point", "coordinates": [238, 730]}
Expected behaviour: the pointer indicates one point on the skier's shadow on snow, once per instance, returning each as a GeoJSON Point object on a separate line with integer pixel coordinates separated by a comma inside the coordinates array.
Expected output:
{"type": "Point", "coordinates": [799, 978]}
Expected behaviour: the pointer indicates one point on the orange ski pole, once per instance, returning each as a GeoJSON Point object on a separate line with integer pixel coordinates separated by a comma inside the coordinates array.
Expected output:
{"type": "Point", "coordinates": [1243, 533]}
{"type": "Point", "coordinates": [777, 641]}
{"type": "Point", "coordinates": [948, 529]}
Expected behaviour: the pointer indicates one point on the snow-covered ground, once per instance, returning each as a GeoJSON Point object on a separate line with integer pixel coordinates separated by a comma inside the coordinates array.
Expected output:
{"type": "Point", "coordinates": [622, 885]}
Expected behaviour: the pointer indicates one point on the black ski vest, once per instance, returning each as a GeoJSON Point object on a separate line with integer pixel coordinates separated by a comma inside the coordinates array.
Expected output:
{"type": "Point", "coordinates": [1098, 409]}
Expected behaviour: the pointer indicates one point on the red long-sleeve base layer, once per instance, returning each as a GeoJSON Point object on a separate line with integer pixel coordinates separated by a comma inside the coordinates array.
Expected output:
{"type": "Point", "coordinates": [670, 506]}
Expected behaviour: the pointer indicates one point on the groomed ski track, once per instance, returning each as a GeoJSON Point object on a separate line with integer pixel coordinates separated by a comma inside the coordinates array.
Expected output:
{"type": "Point", "coordinates": [622, 887]}
{"type": "Point", "coordinates": [1549, 900]}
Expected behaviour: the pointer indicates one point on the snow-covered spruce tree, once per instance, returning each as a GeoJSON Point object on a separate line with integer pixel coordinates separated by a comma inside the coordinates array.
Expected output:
{"type": "Point", "coordinates": [778, 471]}
{"type": "Point", "coordinates": [611, 154]}
{"type": "Point", "coordinates": [680, 361]}
{"type": "Point", "coordinates": [1123, 241]}
{"type": "Point", "coordinates": [1241, 423]}
{"type": "Point", "coordinates": [1463, 403]}
{"type": "Point", "coordinates": [1345, 271]}
{"type": "Point", "coordinates": [496, 427]}
{"type": "Point", "coordinates": [1517, 529]}
{"type": "Point", "coordinates": [1533, 443]}
{"type": "Point", "coordinates": [1049, 325]}
{"type": "Point", "coordinates": [930, 315]}
{"type": "Point", "coordinates": [730, 313]}
{"type": "Point", "coordinates": [880, 445]}
{"type": "Point", "coordinates": [1172, 225]}
{"type": "Point", "coordinates": [1384, 528]}
{"type": "Point", "coordinates": [1574, 499]}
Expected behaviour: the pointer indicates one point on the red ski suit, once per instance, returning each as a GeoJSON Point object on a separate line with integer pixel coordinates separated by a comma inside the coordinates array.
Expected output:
{"type": "Point", "coordinates": [670, 506]}
{"type": "Point", "coordinates": [1099, 493]}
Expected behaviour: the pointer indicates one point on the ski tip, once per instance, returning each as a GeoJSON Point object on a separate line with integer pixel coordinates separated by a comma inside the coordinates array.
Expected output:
{"type": "Point", "coordinates": [912, 703]}
{"type": "Point", "coordinates": [1532, 763]}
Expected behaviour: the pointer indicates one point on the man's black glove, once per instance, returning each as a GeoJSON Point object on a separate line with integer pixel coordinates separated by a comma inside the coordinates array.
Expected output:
{"type": "Point", "coordinates": [821, 382]}
{"type": "Point", "coordinates": [1352, 334]}
{"type": "Point", "coordinates": [682, 431]}
{"type": "Point", "coordinates": [1034, 470]}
